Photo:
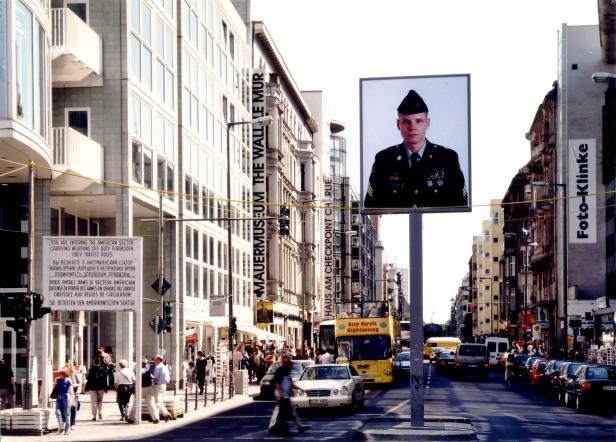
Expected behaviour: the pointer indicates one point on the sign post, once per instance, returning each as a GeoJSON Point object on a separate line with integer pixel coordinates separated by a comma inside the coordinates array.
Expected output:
{"type": "Point", "coordinates": [95, 274]}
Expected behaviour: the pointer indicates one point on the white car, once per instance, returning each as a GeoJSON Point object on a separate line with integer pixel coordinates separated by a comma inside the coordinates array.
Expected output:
{"type": "Point", "coordinates": [330, 385]}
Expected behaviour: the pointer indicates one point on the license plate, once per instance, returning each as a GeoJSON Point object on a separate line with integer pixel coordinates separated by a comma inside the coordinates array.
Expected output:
{"type": "Point", "coordinates": [472, 365]}
{"type": "Point", "coordinates": [610, 387]}
{"type": "Point", "coordinates": [321, 402]}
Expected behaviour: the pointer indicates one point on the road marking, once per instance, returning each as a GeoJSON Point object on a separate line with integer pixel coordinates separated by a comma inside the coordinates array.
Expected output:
{"type": "Point", "coordinates": [391, 410]}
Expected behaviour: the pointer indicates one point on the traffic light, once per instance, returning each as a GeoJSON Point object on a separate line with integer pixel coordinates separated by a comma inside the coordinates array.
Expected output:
{"type": "Point", "coordinates": [19, 325]}
{"type": "Point", "coordinates": [23, 308]}
{"type": "Point", "coordinates": [38, 311]}
{"type": "Point", "coordinates": [232, 327]}
{"type": "Point", "coordinates": [168, 316]}
{"type": "Point", "coordinates": [284, 222]}
{"type": "Point", "coordinates": [8, 301]}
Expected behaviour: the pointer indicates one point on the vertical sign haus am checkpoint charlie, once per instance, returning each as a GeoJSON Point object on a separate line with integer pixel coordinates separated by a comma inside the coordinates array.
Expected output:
{"type": "Point", "coordinates": [329, 292]}
{"type": "Point", "coordinates": [92, 273]}
{"type": "Point", "coordinates": [259, 190]}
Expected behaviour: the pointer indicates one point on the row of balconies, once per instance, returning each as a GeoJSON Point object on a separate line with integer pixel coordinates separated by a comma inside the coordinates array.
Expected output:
{"type": "Point", "coordinates": [76, 160]}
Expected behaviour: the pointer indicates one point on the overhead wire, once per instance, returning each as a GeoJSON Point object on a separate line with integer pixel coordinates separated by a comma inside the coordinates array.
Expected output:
{"type": "Point", "coordinates": [367, 211]}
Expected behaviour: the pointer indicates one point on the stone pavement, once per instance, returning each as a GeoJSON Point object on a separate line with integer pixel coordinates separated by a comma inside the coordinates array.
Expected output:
{"type": "Point", "coordinates": [112, 428]}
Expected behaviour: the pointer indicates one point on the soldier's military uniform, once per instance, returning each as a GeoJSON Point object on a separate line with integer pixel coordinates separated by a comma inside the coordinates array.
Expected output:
{"type": "Point", "coordinates": [436, 181]}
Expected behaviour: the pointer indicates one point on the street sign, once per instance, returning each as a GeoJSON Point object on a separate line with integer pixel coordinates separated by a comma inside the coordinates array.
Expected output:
{"type": "Point", "coordinates": [166, 286]}
{"type": "Point", "coordinates": [92, 273]}
{"type": "Point", "coordinates": [161, 324]}
{"type": "Point", "coordinates": [536, 331]}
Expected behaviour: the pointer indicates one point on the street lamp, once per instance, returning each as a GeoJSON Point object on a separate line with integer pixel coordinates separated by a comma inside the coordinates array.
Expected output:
{"type": "Point", "coordinates": [259, 122]}
{"type": "Point", "coordinates": [564, 277]}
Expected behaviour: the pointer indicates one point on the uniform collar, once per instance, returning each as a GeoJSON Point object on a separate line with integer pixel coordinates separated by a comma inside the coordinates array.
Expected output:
{"type": "Point", "coordinates": [421, 150]}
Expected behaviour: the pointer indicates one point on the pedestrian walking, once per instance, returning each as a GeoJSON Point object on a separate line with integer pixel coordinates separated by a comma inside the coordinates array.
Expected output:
{"type": "Point", "coordinates": [125, 386]}
{"type": "Point", "coordinates": [200, 369]}
{"type": "Point", "coordinates": [76, 379]}
{"type": "Point", "coordinates": [97, 384]}
{"type": "Point", "coordinates": [327, 357]}
{"type": "Point", "coordinates": [284, 412]}
{"type": "Point", "coordinates": [190, 377]}
{"type": "Point", "coordinates": [7, 386]}
{"type": "Point", "coordinates": [161, 379]}
{"type": "Point", "coordinates": [63, 392]}
{"type": "Point", "coordinates": [146, 395]}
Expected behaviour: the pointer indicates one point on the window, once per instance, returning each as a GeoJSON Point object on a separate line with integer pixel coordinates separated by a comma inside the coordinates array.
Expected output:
{"type": "Point", "coordinates": [137, 173]}
{"type": "Point", "coordinates": [78, 119]}
{"type": "Point", "coordinates": [29, 68]}
{"type": "Point", "coordinates": [79, 8]}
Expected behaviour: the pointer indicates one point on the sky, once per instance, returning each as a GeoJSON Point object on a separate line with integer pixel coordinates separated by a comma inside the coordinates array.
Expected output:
{"type": "Point", "coordinates": [509, 48]}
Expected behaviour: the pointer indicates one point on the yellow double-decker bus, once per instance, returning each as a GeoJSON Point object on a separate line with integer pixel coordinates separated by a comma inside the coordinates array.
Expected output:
{"type": "Point", "coordinates": [366, 336]}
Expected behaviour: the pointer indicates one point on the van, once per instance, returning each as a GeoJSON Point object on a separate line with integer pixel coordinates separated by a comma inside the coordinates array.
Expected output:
{"type": "Point", "coordinates": [435, 342]}
{"type": "Point", "coordinates": [496, 347]}
{"type": "Point", "coordinates": [471, 359]}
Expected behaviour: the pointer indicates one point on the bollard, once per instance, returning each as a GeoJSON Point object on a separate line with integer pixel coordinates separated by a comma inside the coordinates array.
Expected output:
{"type": "Point", "coordinates": [205, 393]}
{"type": "Point", "coordinates": [186, 400]}
{"type": "Point", "coordinates": [214, 390]}
{"type": "Point", "coordinates": [196, 398]}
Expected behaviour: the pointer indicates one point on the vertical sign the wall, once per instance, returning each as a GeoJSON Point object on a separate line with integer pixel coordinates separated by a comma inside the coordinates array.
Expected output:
{"type": "Point", "coordinates": [582, 192]}
{"type": "Point", "coordinates": [329, 268]}
{"type": "Point", "coordinates": [259, 195]}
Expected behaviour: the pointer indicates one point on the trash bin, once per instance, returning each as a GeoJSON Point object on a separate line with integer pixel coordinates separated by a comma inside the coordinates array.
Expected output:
{"type": "Point", "coordinates": [241, 381]}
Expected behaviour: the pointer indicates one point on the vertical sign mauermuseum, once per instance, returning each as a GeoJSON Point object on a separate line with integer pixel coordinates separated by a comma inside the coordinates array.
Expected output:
{"type": "Point", "coordinates": [259, 194]}
{"type": "Point", "coordinates": [329, 268]}
{"type": "Point", "coordinates": [582, 192]}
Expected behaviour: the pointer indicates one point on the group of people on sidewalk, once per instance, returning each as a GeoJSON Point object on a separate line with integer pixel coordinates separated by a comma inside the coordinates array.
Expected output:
{"type": "Point", "coordinates": [103, 376]}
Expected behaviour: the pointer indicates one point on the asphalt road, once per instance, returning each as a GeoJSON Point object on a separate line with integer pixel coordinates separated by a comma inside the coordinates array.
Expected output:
{"type": "Point", "coordinates": [496, 413]}
{"type": "Point", "coordinates": [519, 414]}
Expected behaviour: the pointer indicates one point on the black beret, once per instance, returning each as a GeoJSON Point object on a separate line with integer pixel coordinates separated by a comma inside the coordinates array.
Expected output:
{"type": "Point", "coordinates": [412, 104]}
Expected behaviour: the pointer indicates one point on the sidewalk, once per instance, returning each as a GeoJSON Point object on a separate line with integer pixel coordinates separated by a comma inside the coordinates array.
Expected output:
{"type": "Point", "coordinates": [112, 428]}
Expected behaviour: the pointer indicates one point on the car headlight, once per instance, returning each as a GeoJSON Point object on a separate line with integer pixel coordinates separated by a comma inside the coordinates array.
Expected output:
{"type": "Point", "coordinates": [335, 391]}
{"type": "Point", "coordinates": [344, 390]}
{"type": "Point", "coordinates": [387, 372]}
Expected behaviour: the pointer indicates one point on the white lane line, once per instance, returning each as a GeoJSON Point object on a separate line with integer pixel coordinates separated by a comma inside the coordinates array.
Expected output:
{"type": "Point", "coordinates": [401, 404]}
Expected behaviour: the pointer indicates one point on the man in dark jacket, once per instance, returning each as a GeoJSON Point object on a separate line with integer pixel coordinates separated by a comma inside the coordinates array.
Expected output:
{"type": "Point", "coordinates": [415, 173]}
{"type": "Point", "coordinates": [200, 366]}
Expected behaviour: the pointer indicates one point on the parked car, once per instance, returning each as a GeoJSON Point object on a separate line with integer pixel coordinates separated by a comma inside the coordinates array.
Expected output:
{"type": "Point", "coordinates": [518, 368]}
{"type": "Point", "coordinates": [559, 383]}
{"type": "Point", "coordinates": [552, 369]}
{"type": "Point", "coordinates": [330, 385]}
{"type": "Point", "coordinates": [528, 365]}
{"type": "Point", "coordinates": [402, 364]}
{"type": "Point", "coordinates": [471, 359]}
{"type": "Point", "coordinates": [592, 386]}
{"type": "Point", "coordinates": [266, 385]}
{"type": "Point", "coordinates": [445, 361]}
{"type": "Point", "coordinates": [536, 370]}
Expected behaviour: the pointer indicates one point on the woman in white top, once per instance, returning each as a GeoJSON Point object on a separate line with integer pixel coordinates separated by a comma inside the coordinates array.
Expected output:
{"type": "Point", "coordinates": [124, 383]}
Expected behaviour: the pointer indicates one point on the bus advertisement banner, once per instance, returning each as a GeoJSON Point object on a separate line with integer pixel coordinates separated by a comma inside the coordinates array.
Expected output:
{"type": "Point", "coordinates": [362, 326]}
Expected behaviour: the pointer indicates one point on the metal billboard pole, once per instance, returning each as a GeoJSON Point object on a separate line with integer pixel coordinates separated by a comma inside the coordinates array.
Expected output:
{"type": "Point", "coordinates": [416, 319]}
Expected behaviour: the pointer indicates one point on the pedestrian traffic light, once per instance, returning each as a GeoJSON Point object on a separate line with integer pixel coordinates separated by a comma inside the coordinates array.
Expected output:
{"type": "Point", "coordinates": [284, 222]}
{"type": "Point", "coordinates": [19, 325]}
{"type": "Point", "coordinates": [232, 327]}
{"type": "Point", "coordinates": [38, 311]}
{"type": "Point", "coordinates": [168, 316]}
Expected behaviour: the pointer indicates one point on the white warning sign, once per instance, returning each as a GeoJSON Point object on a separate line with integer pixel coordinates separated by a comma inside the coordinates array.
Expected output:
{"type": "Point", "coordinates": [91, 273]}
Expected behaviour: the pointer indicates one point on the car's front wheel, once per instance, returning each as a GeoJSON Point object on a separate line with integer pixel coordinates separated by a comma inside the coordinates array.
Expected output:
{"type": "Point", "coordinates": [359, 405]}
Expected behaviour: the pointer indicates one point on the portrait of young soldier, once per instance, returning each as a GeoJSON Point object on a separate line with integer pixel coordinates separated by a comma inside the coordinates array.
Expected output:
{"type": "Point", "coordinates": [415, 173]}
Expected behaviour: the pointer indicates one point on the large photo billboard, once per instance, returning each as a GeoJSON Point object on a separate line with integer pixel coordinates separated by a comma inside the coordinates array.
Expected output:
{"type": "Point", "coordinates": [415, 144]}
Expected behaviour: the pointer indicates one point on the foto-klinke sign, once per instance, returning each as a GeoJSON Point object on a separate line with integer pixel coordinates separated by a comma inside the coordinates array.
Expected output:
{"type": "Point", "coordinates": [355, 327]}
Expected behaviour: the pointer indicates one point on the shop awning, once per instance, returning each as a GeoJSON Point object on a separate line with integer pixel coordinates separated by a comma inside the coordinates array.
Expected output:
{"type": "Point", "coordinates": [262, 335]}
